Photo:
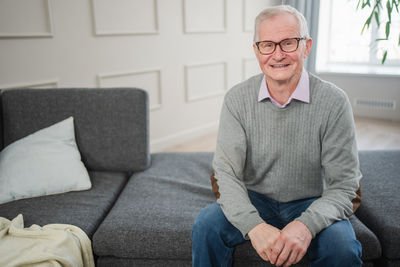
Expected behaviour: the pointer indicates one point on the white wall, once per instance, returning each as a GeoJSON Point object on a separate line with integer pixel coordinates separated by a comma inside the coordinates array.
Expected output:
{"type": "Point", "coordinates": [185, 53]}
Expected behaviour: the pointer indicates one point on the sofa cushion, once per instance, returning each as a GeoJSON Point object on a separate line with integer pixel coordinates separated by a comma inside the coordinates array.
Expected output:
{"type": "Point", "coordinates": [154, 215]}
{"type": "Point", "coordinates": [371, 247]}
{"type": "Point", "coordinates": [124, 262]}
{"type": "Point", "coordinates": [380, 209]}
{"type": "Point", "coordinates": [111, 125]}
{"type": "Point", "coordinates": [43, 163]}
{"type": "Point", "coordinates": [85, 209]}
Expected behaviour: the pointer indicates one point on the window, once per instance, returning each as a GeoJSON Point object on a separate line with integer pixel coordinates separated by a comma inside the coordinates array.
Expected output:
{"type": "Point", "coordinates": [343, 49]}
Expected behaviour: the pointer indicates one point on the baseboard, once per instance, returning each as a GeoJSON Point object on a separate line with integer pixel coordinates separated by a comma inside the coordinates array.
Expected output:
{"type": "Point", "coordinates": [175, 139]}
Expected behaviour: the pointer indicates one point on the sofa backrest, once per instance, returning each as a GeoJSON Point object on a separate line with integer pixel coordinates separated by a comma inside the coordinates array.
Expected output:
{"type": "Point", "coordinates": [111, 124]}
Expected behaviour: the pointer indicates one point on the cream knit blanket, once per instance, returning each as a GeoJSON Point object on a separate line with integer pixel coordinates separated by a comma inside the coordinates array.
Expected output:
{"type": "Point", "coordinates": [50, 245]}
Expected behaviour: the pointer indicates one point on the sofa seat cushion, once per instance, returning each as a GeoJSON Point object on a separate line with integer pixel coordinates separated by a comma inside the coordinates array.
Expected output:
{"type": "Point", "coordinates": [154, 215]}
{"type": "Point", "coordinates": [85, 209]}
{"type": "Point", "coordinates": [380, 209]}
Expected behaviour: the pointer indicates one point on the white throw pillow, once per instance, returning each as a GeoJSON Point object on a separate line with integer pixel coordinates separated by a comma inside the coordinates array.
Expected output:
{"type": "Point", "coordinates": [44, 163]}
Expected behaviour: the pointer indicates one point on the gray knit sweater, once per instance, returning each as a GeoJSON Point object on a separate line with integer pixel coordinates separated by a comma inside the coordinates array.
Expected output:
{"type": "Point", "coordinates": [303, 150]}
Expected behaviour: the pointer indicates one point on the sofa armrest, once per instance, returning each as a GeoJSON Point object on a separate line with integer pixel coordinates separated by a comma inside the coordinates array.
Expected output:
{"type": "Point", "coordinates": [380, 209]}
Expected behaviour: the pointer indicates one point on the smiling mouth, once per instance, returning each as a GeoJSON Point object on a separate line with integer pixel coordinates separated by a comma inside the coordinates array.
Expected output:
{"type": "Point", "coordinates": [280, 66]}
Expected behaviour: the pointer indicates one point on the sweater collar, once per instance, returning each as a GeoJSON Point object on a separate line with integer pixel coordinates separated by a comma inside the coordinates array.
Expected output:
{"type": "Point", "coordinates": [301, 93]}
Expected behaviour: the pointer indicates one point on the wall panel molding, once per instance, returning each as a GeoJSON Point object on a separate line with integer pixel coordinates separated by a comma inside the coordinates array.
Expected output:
{"type": "Point", "coordinates": [38, 22]}
{"type": "Point", "coordinates": [125, 17]}
{"type": "Point", "coordinates": [149, 80]}
{"type": "Point", "coordinates": [250, 67]}
{"type": "Point", "coordinates": [251, 8]}
{"type": "Point", "coordinates": [51, 83]}
{"type": "Point", "coordinates": [204, 16]}
{"type": "Point", "coordinates": [205, 80]}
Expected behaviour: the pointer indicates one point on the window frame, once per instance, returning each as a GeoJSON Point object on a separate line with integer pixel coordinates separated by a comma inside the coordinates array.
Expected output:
{"type": "Point", "coordinates": [372, 67]}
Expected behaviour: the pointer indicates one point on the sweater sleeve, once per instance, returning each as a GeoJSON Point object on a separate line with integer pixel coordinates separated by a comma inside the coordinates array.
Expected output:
{"type": "Point", "coordinates": [339, 159]}
{"type": "Point", "coordinates": [228, 164]}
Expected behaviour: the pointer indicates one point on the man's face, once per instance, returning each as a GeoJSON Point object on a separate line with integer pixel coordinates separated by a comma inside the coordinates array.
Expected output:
{"type": "Point", "coordinates": [280, 66]}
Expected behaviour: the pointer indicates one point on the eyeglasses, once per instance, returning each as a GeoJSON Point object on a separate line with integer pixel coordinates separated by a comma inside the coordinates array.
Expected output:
{"type": "Point", "coordinates": [288, 45]}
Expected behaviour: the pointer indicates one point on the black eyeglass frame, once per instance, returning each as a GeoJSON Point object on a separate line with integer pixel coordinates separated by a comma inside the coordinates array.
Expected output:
{"type": "Point", "coordinates": [280, 45]}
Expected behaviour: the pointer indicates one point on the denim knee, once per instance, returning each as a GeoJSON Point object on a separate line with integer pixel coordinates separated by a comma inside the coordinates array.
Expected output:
{"type": "Point", "coordinates": [206, 224]}
{"type": "Point", "coordinates": [203, 222]}
{"type": "Point", "coordinates": [349, 252]}
{"type": "Point", "coordinates": [210, 234]}
{"type": "Point", "coordinates": [336, 246]}
{"type": "Point", "coordinates": [211, 223]}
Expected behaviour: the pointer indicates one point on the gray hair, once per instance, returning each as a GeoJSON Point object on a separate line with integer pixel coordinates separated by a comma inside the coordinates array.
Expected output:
{"type": "Point", "coordinates": [277, 10]}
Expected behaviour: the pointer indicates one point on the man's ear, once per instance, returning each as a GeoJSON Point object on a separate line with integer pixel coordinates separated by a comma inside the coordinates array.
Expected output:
{"type": "Point", "coordinates": [255, 49]}
{"type": "Point", "coordinates": [308, 47]}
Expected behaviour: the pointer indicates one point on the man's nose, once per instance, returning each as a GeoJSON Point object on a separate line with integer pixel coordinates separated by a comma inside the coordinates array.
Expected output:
{"type": "Point", "coordinates": [278, 53]}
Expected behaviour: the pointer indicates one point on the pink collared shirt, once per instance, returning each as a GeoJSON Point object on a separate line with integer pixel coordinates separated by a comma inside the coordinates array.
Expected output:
{"type": "Point", "coordinates": [301, 93]}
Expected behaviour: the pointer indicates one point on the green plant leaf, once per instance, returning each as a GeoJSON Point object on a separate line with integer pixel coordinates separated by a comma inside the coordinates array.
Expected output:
{"type": "Point", "coordinates": [367, 3]}
{"type": "Point", "coordinates": [378, 6]}
{"type": "Point", "coordinates": [389, 10]}
{"type": "Point", "coordinates": [384, 57]}
{"type": "Point", "coordinates": [387, 29]}
{"type": "Point", "coordinates": [396, 4]}
{"type": "Point", "coordinates": [377, 19]}
{"type": "Point", "coordinates": [367, 23]}
{"type": "Point", "coordinates": [374, 14]}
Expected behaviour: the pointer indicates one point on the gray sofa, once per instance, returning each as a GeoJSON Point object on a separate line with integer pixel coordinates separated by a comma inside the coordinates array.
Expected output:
{"type": "Point", "coordinates": [141, 207]}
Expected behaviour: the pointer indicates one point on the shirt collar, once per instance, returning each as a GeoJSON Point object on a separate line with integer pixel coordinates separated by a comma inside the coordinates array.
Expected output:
{"type": "Point", "coordinates": [301, 93]}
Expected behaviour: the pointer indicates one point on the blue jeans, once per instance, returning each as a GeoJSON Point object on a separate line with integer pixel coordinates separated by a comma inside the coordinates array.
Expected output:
{"type": "Point", "coordinates": [214, 237]}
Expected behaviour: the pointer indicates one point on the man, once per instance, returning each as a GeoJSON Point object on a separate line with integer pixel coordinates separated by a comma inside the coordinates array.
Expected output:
{"type": "Point", "coordinates": [286, 172]}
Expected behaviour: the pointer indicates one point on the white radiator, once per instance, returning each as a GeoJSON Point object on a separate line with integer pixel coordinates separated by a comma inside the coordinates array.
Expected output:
{"type": "Point", "coordinates": [375, 103]}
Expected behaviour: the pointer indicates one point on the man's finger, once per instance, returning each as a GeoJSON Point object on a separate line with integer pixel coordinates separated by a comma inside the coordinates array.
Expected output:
{"type": "Point", "coordinates": [264, 256]}
{"type": "Point", "coordinates": [275, 250]}
{"type": "Point", "coordinates": [291, 259]}
{"type": "Point", "coordinates": [283, 256]}
{"type": "Point", "coordinates": [300, 255]}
